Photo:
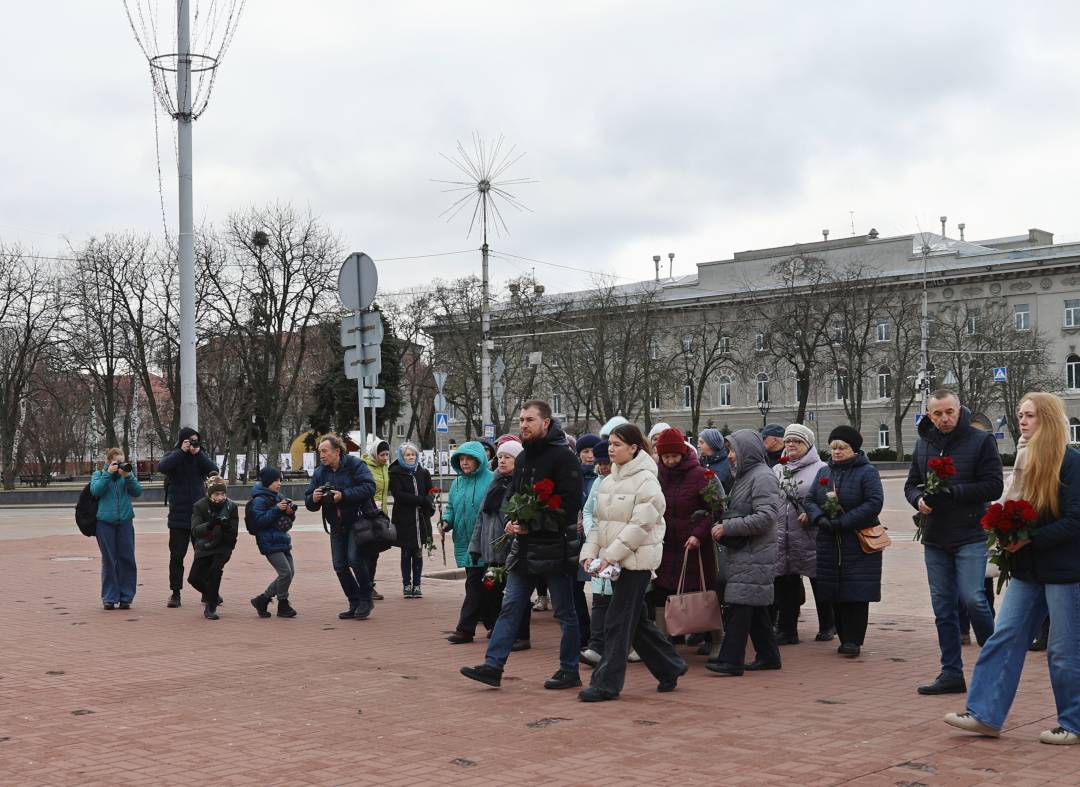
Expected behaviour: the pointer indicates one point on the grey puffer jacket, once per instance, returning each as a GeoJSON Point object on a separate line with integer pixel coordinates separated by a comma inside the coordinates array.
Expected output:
{"type": "Point", "coordinates": [796, 543]}
{"type": "Point", "coordinates": [752, 512]}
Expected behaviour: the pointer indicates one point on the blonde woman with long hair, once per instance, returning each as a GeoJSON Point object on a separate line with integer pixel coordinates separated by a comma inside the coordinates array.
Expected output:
{"type": "Point", "coordinates": [1045, 579]}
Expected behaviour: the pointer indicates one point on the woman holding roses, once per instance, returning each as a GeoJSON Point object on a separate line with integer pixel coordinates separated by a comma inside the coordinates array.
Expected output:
{"type": "Point", "coordinates": [1045, 578]}
{"type": "Point", "coordinates": [410, 486]}
{"type": "Point", "coordinates": [847, 497]}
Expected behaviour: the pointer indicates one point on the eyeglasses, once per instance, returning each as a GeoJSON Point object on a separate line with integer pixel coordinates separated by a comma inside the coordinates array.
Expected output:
{"type": "Point", "coordinates": [794, 440]}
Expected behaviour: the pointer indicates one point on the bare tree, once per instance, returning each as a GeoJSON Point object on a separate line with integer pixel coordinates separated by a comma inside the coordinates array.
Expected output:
{"type": "Point", "coordinates": [899, 353]}
{"type": "Point", "coordinates": [707, 342]}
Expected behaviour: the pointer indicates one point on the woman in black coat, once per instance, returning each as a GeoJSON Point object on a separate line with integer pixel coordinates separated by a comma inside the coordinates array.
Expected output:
{"type": "Point", "coordinates": [413, 507]}
{"type": "Point", "coordinates": [847, 577]}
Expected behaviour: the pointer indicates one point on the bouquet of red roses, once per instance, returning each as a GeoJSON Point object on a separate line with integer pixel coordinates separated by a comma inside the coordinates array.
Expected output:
{"type": "Point", "coordinates": [494, 576]}
{"type": "Point", "coordinates": [939, 470]}
{"type": "Point", "coordinates": [1007, 524]}
{"type": "Point", "coordinates": [831, 506]}
{"type": "Point", "coordinates": [535, 509]}
{"type": "Point", "coordinates": [713, 495]}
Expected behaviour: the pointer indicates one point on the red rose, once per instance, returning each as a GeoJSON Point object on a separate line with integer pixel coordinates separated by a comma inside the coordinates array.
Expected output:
{"type": "Point", "coordinates": [554, 502]}
{"type": "Point", "coordinates": [434, 491]}
{"type": "Point", "coordinates": [1027, 511]}
{"type": "Point", "coordinates": [709, 473]}
{"type": "Point", "coordinates": [824, 482]}
{"type": "Point", "coordinates": [489, 583]}
{"type": "Point", "coordinates": [942, 466]}
{"type": "Point", "coordinates": [783, 459]}
{"type": "Point", "coordinates": [544, 486]}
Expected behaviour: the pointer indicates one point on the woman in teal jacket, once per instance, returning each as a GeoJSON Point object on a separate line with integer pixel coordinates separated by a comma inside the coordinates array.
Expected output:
{"type": "Point", "coordinates": [114, 487]}
{"type": "Point", "coordinates": [466, 498]}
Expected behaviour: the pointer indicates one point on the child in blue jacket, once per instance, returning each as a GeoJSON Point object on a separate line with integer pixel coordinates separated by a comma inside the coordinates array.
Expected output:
{"type": "Point", "coordinates": [273, 516]}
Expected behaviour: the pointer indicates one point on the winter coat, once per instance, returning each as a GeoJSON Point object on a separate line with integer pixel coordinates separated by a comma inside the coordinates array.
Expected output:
{"type": "Point", "coordinates": [602, 586]}
{"type": "Point", "coordinates": [413, 506]}
{"type": "Point", "coordinates": [353, 479]}
{"type": "Point", "coordinates": [186, 475]}
{"type": "Point", "coordinates": [273, 524]}
{"type": "Point", "coordinates": [381, 474]}
{"type": "Point", "coordinates": [628, 521]}
{"type": "Point", "coordinates": [214, 531]}
{"type": "Point", "coordinates": [720, 465]}
{"type": "Point", "coordinates": [751, 514]}
{"type": "Point", "coordinates": [844, 572]}
{"type": "Point", "coordinates": [465, 498]}
{"type": "Point", "coordinates": [683, 485]}
{"type": "Point", "coordinates": [796, 543]}
{"type": "Point", "coordinates": [114, 493]}
{"type": "Point", "coordinates": [547, 552]}
{"type": "Point", "coordinates": [1053, 556]}
{"type": "Point", "coordinates": [588, 478]}
{"type": "Point", "coordinates": [491, 524]}
{"type": "Point", "coordinates": [978, 482]}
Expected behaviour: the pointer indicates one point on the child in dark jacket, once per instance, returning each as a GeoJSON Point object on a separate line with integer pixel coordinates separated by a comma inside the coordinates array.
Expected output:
{"type": "Point", "coordinates": [214, 524]}
{"type": "Point", "coordinates": [273, 516]}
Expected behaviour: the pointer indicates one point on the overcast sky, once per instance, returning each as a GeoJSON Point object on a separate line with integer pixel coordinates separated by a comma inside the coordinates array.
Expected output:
{"type": "Point", "coordinates": [694, 128]}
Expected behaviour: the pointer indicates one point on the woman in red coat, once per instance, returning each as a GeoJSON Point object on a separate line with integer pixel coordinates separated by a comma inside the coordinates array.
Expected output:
{"type": "Point", "coordinates": [683, 480]}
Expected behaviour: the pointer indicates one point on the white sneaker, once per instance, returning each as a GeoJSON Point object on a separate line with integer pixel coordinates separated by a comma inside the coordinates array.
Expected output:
{"type": "Point", "coordinates": [1059, 736]}
{"type": "Point", "coordinates": [633, 658]}
{"type": "Point", "coordinates": [543, 604]}
{"type": "Point", "coordinates": [591, 657]}
{"type": "Point", "coordinates": [969, 723]}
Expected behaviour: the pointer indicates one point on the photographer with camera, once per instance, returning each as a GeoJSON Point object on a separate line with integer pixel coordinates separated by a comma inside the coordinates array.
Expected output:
{"type": "Point", "coordinates": [214, 526]}
{"type": "Point", "coordinates": [271, 516]}
{"type": "Point", "coordinates": [341, 488]}
{"type": "Point", "coordinates": [114, 486]}
{"type": "Point", "coordinates": [185, 468]}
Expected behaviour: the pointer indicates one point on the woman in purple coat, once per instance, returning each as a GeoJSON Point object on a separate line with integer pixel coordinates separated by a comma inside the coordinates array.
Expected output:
{"type": "Point", "coordinates": [683, 480]}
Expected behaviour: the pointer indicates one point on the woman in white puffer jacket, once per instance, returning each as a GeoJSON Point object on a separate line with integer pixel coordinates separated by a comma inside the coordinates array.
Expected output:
{"type": "Point", "coordinates": [628, 530]}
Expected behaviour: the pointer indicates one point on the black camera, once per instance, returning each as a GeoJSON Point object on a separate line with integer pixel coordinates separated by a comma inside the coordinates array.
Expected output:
{"type": "Point", "coordinates": [328, 493]}
{"type": "Point", "coordinates": [193, 442]}
{"type": "Point", "coordinates": [127, 467]}
{"type": "Point", "coordinates": [290, 506]}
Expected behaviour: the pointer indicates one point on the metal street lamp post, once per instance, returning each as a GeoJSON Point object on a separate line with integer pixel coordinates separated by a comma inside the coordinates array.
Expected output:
{"type": "Point", "coordinates": [764, 406]}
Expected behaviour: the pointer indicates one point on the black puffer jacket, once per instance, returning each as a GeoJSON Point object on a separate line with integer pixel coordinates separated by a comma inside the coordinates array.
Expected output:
{"type": "Point", "coordinates": [954, 521]}
{"type": "Point", "coordinates": [413, 506]}
{"type": "Point", "coordinates": [186, 474]}
{"type": "Point", "coordinates": [214, 528]}
{"type": "Point", "coordinates": [545, 552]}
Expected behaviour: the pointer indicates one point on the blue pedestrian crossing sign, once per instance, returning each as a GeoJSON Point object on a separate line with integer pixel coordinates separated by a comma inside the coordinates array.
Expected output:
{"type": "Point", "coordinates": [999, 374]}
{"type": "Point", "coordinates": [442, 422]}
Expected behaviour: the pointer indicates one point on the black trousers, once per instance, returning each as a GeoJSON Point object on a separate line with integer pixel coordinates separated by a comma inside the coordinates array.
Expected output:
{"type": "Point", "coordinates": [851, 620]}
{"type": "Point", "coordinates": [626, 624]}
{"type": "Point", "coordinates": [790, 596]}
{"type": "Point", "coordinates": [581, 606]}
{"type": "Point", "coordinates": [179, 541]}
{"type": "Point", "coordinates": [742, 622]}
{"type": "Point", "coordinates": [205, 575]}
{"type": "Point", "coordinates": [600, 604]}
{"type": "Point", "coordinates": [480, 605]}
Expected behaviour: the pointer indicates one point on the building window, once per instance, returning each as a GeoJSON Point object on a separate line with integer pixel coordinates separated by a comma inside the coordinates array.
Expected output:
{"type": "Point", "coordinates": [654, 351]}
{"type": "Point", "coordinates": [556, 404]}
{"type": "Point", "coordinates": [841, 384]}
{"type": "Point", "coordinates": [763, 387]}
{"type": "Point", "coordinates": [654, 401]}
{"type": "Point", "coordinates": [1074, 430]}
{"type": "Point", "coordinates": [838, 332]}
{"type": "Point", "coordinates": [884, 331]}
{"type": "Point", "coordinates": [1072, 313]}
{"type": "Point", "coordinates": [798, 390]}
{"type": "Point", "coordinates": [972, 322]}
{"type": "Point", "coordinates": [688, 344]}
{"type": "Point", "coordinates": [759, 342]}
{"type": "Point", "coordinates": [883, 436]}
{"type": "Point", "coordinates": [1022, 315]}
{"type": "Point", "coordinates": [725, 344]}
{"type": "Point", "coordinates": [401, 430]}
{"type": "Point", "coordinates": [884, 383]}
{"type": "Point", "coordinates": [1072, 372]}
{"type": "Point", "coordinates": [687, 395]}
{"type": "Point", "coordinates": [724, 393]}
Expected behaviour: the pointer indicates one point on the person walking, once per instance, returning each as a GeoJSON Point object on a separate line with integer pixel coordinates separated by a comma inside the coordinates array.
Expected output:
{"type": "Point", "coordinates": [273, 517]}
{"type": "Point", "coordinates": [114, 486]}
{"type": "Point", "coordinates": [1045, 580]}
{"type": "Point", "coordinates": [713, 455]}
{"type": "Point", "coordinates": [410, 483]}
{"type": "Point", "coordinates": [954, 544]}
{"type": "Point", "coordinates": [540, 553]}
{"type": "Point", "coordinates": [378, 463]}
{"type": "Point", "coordinates": [214, 527]}
{"type": "Point", "coordinates": [466, 497]}
{"type": "Point", "coordinates": [186, 469]}
{"type": "Point", "coordinates": [796, 538]}
{"type": "Point", "coordinates": [628, 533]}
{"type": "Point", "coordinates": [748, 530]}
{"type": "Point", "coordinates": [340, 488]}
{"type": "Point", "coordinates": [846, 576]}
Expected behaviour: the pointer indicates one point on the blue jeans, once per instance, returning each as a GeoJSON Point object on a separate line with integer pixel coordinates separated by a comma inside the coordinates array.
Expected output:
{"type": "Point", "coordinates": [516, 600]}
{"type": "Point", "coordinates": [997, 672]}
{"type": "Point", "coordinates": [116, 540]}
{"type": "Point", "coordinates": [351, 567]}
{"type": "Point", "coordinates": [957, 577]}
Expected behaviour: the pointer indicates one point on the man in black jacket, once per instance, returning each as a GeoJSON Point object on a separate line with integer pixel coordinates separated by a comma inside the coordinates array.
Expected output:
{"type": "Point", "coordinates": [185, 468]}
{"type": "Point", "coordinates": [552, 555]}
{"type": "Point", "coordinates": [953, 539]}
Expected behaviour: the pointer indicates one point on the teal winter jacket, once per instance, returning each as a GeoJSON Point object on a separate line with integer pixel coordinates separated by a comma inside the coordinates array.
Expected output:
{"type": "Point", "coordinates": [465, 500]}
{"type": "Point", "coordinates": [114, 493]}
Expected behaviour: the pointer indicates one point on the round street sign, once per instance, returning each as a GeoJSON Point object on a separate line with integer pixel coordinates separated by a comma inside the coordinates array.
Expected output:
{"type": "Point", "coordinates": [358, 280]}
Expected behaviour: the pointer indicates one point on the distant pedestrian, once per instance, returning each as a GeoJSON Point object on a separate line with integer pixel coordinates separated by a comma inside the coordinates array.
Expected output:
{"type": "Point", "coordinates": [214, 523]}
{"type": "Point", "coordinates": [114, 486]}
{"type": "Point", "coordinates": [593, 650]}
{"type": "Point", "coordinates": [846, 576]}
{"type": "Point", "coordinates": [410, 485]}
{"type": "Point", "coordinates": [378, 462]}
{"type": "Point", "coordinates": [273, 516]}
{"type": "Point", "coordinates": [462, 510]}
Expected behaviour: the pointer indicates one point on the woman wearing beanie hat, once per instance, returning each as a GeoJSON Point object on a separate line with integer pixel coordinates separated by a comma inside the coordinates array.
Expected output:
{"type": "Point", "coordinates": [410, 483]}
{"type": "Point", "coordinates": [269, 516]}
{"type": "Point", "coordinates": [796, 537]}
{"type": "Point", "coordinates": [846, 576]}
{"type": "Point", "coordinates": [713, 455]}
{"type": "Point", "coordinates": [379, 465]}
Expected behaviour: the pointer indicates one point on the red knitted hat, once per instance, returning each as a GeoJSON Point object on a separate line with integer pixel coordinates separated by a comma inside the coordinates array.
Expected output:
{"type": "Point", "coordinates": [671, 441]}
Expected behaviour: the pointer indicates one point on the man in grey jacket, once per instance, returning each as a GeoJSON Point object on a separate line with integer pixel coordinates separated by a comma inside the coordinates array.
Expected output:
{"type": "Point", "coordinates": [748, 530]}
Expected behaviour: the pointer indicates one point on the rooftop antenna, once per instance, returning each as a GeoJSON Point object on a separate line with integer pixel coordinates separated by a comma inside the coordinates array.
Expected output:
{"type": "Point", "coordinates": [183, 80]}
{"type": "Point", "coordinates": [851, 213]}
{"type": "Point", "coordinates": [825, 234]}
{"type": "Point", "coordinates": [943, 219]}
{"type": "Point", "coordinates": [670, 263]}
{"type": "Point", "coordinates": [960, 227]}
{"type": "Point", "coordinates": [656, 262]}
{"type": "Point", "coordinates": [484, 166]}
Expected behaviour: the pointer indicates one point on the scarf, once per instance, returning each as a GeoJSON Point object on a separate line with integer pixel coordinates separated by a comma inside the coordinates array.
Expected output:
{"type": "Point", "coordinates": [496, 494]}
{"type": "Point", "coordinates": [1013, 485]}
{"type": "Point", "coordinates": [401, 458]}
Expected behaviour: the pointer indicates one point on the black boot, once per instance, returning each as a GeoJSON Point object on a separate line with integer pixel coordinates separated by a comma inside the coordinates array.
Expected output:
{"type": "Point", "coordinates": [261, 602]}
{"type": "Point", "coordinates": [945, 684]}
{"type": "Point", "coordinates": [174, 600]}
{"type": "Point", "coordinates": [210, 612]}
{"type": "Point", "coordinates": [284, 609]}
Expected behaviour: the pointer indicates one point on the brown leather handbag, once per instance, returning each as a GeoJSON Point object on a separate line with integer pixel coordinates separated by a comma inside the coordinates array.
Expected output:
{"type": "Point", "coordinates": [874, 539]}
{"type": "Point", "coordinates": [695, 612]}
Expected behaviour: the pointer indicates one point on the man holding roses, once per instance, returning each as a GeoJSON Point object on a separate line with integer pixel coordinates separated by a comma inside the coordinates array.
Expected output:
{"type": "Point", "coordinates": [953, 539]}
{"type": "Point", "coordinates": [548, 547]}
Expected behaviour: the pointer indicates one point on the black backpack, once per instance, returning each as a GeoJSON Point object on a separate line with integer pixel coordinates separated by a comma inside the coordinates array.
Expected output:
{"type": "Point", "coordinates": [86, 513]}
{"type": "Point", "coordinates": [249, 517]}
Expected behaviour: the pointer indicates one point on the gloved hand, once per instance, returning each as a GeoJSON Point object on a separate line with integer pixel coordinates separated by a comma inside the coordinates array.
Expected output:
{"type": "Point", "coordinates": [475, 557]}
{"type": "Point", "coordinates": [824, 522]}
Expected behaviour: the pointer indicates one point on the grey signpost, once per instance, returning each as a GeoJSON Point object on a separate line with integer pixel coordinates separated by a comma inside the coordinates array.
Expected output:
{"type": "Point", "coordinates": [362, 333]}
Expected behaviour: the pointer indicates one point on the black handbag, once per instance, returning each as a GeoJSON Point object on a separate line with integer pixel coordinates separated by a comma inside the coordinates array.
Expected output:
{"type": "Point", "coordinates": [374, 528]}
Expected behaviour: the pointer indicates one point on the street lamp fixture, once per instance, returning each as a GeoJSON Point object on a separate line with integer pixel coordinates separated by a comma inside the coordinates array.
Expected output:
{"type": "Point", "coordinates": [763, 405]}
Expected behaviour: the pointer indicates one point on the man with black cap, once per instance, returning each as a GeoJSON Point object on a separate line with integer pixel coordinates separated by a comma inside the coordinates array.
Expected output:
{"type": "Point", "coordinates": [185, 469]}
{"type": "Point", "coordinates": [773, 437]}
